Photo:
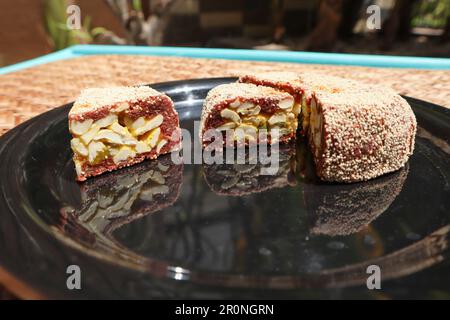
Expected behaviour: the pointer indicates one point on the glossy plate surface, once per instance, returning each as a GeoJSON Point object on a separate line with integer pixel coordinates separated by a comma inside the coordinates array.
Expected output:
{"type": "Point", "coordinates": [159, 230]}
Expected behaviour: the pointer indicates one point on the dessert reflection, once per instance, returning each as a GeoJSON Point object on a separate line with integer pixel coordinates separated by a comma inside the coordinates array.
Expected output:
{"type": "Point", "coordinates": [249, 177]}
{"type": "Point", "coordinates": [224, 229]}
{"type": "Point", "coordinates": [110, 201]}
{"type": "Point", "coordinates": [347, 209]}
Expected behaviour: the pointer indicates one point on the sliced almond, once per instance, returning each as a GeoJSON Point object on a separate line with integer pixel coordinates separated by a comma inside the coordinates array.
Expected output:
{"type": "Point", "coordinates": [117, 128]}
{"type": "Point", "coordinates": [129, 122]}
{"type": "Point", "coordinates": [226, 126]}
{"type": "Point", "coordinates": [113, 151]}
{"type": "Point", "coordinates": [277, 118]}
{"type": "Point", "coordinates": [244, 107]}
{"type": "Point", "coordinates": [123, 154]}
{"type": "Point", "coordinates": [129, 141]}
{"type": "Point", "coordinates": [142, 147]}
{"type": "Point", "coordinates": [160, 145]}
{"type": "Point", "coordinates": [78, 147]}
{"type": "Point", "coordinates": [109, 136]}
{"type": "Point", "coordinates": [95, 148]}
{"type": "Point", "coordinates": [79, 128]}
{"type": "Point", "coordinates": [287, 103]}
{"type": "Point", "coordinates": [230, 114]}
{"type": "Point", "coordinates": [106, 121]}
{"type": "Point", "coordinates": [90, 134]}
{"type": "Point", "coordinates": [122, 106]}
{"type": "Point", "coordinates": [78, 168]}
{"type": "Point", "coordinates": [148, 125]}
{"type": "Point", "coordinates": [236, 103]}
{"type": "Point", "coordinates": [153, 137]}
{"type": "Point", "coordinates": [255, 111]}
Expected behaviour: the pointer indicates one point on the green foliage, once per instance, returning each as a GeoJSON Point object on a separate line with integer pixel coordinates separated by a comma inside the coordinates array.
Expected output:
{"type": "Point", "coordinates": [431, 13]}
{"type": "Point", "coordinates": [137, 5]}
{"type": "Point", "coordinates": [55, 22]}
{"type": "Point", "coordinates": [55, 19]}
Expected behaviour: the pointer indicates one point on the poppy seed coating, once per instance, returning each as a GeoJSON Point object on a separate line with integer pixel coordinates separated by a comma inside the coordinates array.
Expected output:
{"type": "Point", "coordinates": [357, 132]}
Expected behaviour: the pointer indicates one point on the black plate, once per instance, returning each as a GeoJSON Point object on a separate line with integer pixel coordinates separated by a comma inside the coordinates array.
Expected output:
{"type": "Point", "coordinates": [288, 236]}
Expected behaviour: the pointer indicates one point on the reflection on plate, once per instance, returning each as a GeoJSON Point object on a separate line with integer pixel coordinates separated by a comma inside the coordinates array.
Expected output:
{"type": "Point", "coordinates": [115, 199]}
{"type": "Point", "coordinates": [252, 176]}
{"type": "Point", "coordinates": [354, 206]}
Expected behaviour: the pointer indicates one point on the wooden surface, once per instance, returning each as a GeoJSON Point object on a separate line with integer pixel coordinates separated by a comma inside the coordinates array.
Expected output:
{"type": "Point", "coordinates": [29, 92]}
{"type": "Point", "coordinates": [35, 90]}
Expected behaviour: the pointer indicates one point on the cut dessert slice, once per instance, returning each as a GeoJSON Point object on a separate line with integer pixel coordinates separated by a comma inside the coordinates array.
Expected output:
{"type": "Point", "coordinates": [356, 131]}
{"type": "Point", "coordinates": [117, 127]}
{"type": "Point", "coordinates": [245, 109]}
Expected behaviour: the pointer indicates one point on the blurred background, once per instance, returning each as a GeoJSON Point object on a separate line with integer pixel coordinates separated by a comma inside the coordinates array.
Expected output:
{"type": "Point", "coordinates": [30, 28]}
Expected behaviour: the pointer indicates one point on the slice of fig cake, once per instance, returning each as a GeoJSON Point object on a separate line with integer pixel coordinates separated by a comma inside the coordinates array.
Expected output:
{"type": "Point", "coordinates": [117, 127]}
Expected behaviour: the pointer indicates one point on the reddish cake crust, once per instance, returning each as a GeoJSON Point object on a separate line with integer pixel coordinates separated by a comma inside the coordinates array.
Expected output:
{"type": "Point", "coordinates": [141, 102]}
{"type": "Point", "coordinates": [366, 130]}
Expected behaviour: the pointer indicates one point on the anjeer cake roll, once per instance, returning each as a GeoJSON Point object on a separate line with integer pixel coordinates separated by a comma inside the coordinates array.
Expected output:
{"type": "Point", "coordinates": [247, 108]}
{"type": "Point", "coordinates": [117, 127]}
{"type": "Point", "coordinates": [356, 132]}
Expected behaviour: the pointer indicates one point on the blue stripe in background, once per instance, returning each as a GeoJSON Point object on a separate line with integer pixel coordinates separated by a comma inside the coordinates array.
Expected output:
{"type": "Point", "coordinates": [241, 54]}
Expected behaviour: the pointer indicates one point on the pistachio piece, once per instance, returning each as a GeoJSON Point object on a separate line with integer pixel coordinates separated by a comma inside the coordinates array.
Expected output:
{"type": "Point", "coordinates": [79, 128]}
{"type": "Point", "coordinates": [79, 147]}
{"type": "Point", "coordinates": [230, 114]}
